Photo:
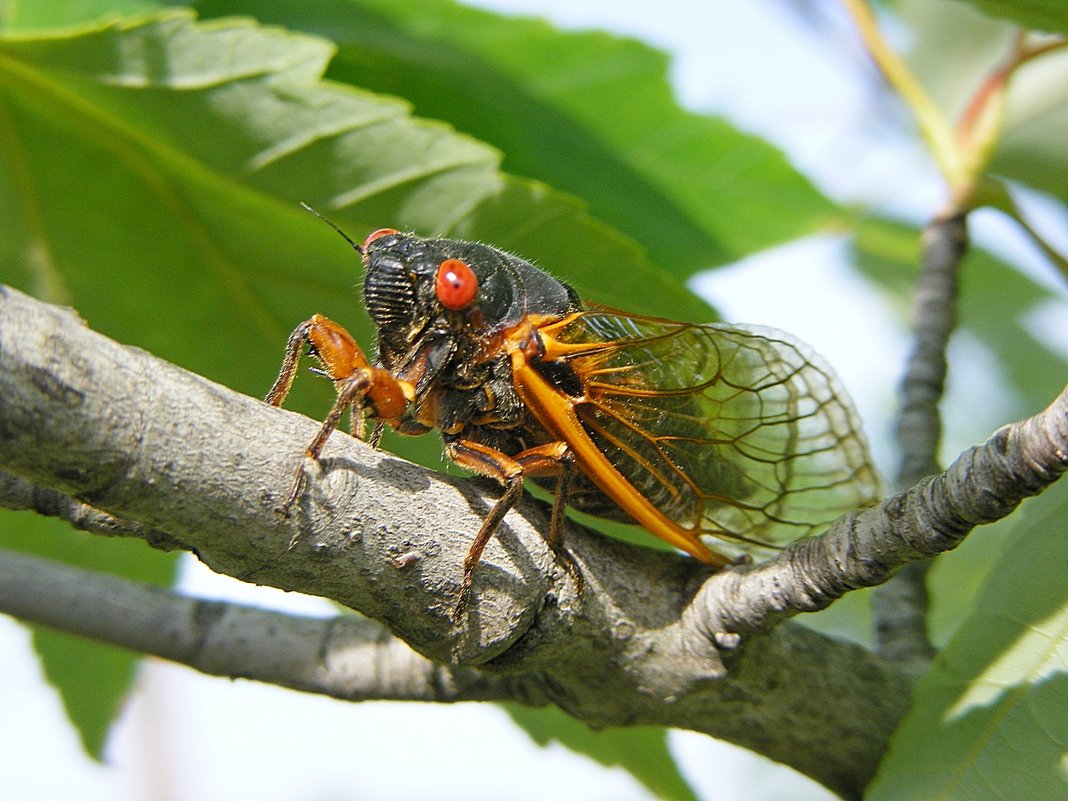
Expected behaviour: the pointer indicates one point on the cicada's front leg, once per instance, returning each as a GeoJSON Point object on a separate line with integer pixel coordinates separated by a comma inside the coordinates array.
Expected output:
{"type": "Point", "coordinates": [553, 458]}
{"type": "Point", "coordinates": [368, 390]}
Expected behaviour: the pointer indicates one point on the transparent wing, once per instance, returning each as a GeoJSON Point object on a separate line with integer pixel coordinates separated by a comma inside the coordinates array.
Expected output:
{"type": "Point", "coordinates": [738, 432]}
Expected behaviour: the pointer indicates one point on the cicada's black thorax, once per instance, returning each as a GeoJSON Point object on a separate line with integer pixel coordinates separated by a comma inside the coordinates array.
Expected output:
{"type": "Point", "coordinates": [418, 336]}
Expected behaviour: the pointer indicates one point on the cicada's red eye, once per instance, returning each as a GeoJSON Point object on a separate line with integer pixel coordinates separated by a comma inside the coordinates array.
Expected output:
{"type": "Point", "coordinates": [456, 284]}
{"type": "Point", "coordinates": [376, 234]}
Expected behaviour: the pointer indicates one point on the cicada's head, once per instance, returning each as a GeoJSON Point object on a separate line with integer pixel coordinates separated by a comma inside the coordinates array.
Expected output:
{"type": "Point", "coordinates": [449, 295]}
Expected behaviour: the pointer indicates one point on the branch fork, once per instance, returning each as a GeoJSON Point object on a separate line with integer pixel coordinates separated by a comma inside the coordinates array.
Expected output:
{"type": "Point", "coordinates": [121, 442]}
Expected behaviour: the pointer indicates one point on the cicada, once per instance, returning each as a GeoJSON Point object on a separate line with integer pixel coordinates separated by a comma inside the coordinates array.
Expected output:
{"type": "Point", "coordinates": [726, 441]}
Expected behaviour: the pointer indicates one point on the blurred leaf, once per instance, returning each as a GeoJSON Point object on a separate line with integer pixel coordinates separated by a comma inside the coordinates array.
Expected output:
{"type": "Point", "coordinates": [954, 47]}
{"type": "Point", "coordinates": [1031, 150]}
{"type": "Point", "coordinates": [588, 113]}
{"type": "Point", "coordinates": [1042, 15]}
{"type": "Point", "coordinates": [988, 721]}
{"type": "Point", "coordinates": [848, 618]}
{"type": "Point", "coordinates": [29, 15]}
{"type": "Point", "coordinates": [92, 679]}
{"type": "Point", "coordinates": [640, 750]}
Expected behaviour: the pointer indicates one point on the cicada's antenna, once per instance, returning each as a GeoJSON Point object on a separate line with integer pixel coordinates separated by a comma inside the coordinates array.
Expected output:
{"type": "Point", "coordinates": [333, 225]}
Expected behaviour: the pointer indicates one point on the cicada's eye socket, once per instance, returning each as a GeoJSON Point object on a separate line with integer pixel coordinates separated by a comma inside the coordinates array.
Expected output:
{"type": "Point", "coordinates": [456, 284]}
{"type": "Point", "coordinates": [381, 232]}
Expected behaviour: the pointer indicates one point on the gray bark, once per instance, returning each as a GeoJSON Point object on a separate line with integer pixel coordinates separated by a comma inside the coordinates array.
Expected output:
{"type": "Point", "coordinates": [124, 441]}
{"type": "Point", "coordinates": [899, 607]}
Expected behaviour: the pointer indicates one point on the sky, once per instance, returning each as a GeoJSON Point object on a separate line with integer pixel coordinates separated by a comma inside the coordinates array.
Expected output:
{"type": "Point", "coordinates": [187, 736]}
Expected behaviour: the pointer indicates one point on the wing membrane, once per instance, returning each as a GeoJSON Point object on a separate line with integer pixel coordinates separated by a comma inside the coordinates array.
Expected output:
{"type": "Point", "coordinates": [738, 432]}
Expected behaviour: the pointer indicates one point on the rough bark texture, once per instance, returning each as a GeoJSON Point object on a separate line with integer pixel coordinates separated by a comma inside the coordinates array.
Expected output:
{"type": "Point", "coordinates": [346, 657]}
{"type": "Point", "coordinates": [899, 607]}
{"type": "Point", "coordinates": [653, 639]}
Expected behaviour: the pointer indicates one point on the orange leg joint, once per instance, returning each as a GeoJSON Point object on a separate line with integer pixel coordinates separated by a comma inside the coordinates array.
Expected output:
{"type": "Point", "coordinates": [368, 390]}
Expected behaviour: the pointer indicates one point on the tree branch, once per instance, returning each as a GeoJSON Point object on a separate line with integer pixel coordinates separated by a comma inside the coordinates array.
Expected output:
{"type": "Point", "coordinates": [864, 548]}
{"type": "Point", "coordinates": [899, 607]}
{"type": "Point", "coordinates": [345, 657]}
{"type": "Point", "coordinates": [17, 493]}
{"type": "Point", "coordinates": [919, 428]}
{"type": "Point", "coordinates": [142, 440]}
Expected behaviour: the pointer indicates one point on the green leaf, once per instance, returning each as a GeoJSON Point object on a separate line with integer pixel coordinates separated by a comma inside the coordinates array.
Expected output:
{"type": "Point", "coordinates": [1041, 15]}
{"type": "Point", "coordinates": [588, 113]}
{"type": "Point", "coordinates": [199, 164]}
{"type": "Point", "coordinates": [151, 171]}
{"type": "Point", "coordinates": [92, 679]}
{"type": "Point", "coordinates": [33, 15]}
{"type": "Point", "coordinates": [988, 721]}
{"type": "Point", "coordinates": [641, 750]}
{"type": "Point", "coordinates": [1031, 150]}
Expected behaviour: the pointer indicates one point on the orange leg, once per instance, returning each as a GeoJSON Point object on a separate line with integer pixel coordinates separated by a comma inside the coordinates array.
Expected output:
{"type": "Point", "coordinates": [364, 388]}
{"type": "Point", "coordinates": [548, 459]}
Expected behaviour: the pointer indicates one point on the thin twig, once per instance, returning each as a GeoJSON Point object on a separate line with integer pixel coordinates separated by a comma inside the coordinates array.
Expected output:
{"type": "Point", "coordinates": [899, 607]}
{"type": "Point", "coordinates": [346, 657]}
{"type": "Point", "coordinates": [934, 125]}
{"type": "Point", "coordinates": [863, 549]}
{"type": "Point", "coordinates": [17, 493]}
{"type": "Point", "coordinates": [997, 194]}
{"type": "Point", "coordinates": [919, 427]}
